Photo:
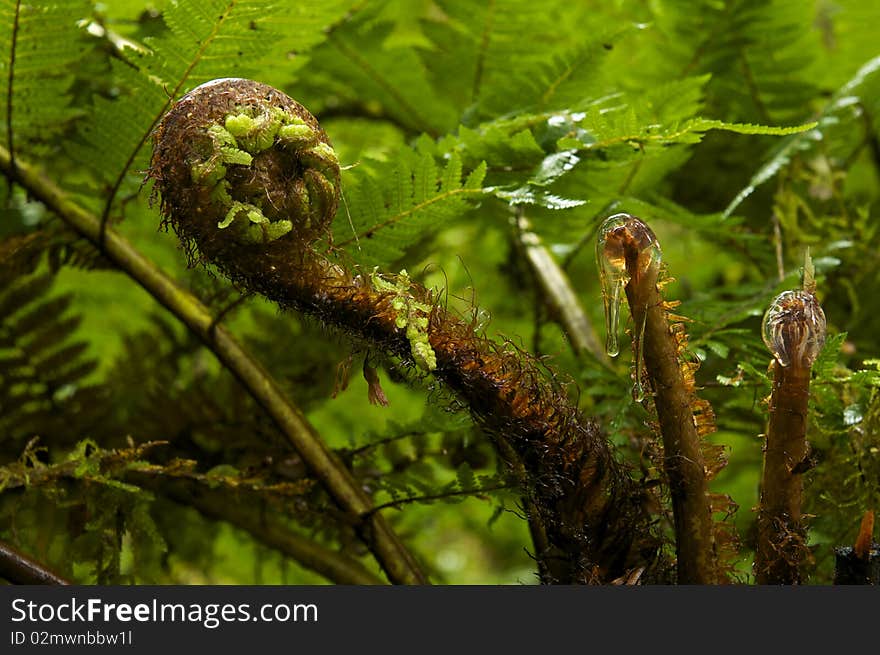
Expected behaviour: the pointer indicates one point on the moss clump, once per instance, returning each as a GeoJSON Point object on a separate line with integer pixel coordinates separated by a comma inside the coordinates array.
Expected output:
{"type": "Point", "coordinates": [409, 314]}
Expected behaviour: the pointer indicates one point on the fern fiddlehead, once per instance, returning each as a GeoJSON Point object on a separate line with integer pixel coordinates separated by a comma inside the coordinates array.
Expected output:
{"type": "Point", "coordinates": [628, 256]}
{"type": "Point", "coordinates": [234, 209]}
{"type": "Point", "coordinates": [794, 332]}
{"type": "Point", "coordinates": [248, 165]}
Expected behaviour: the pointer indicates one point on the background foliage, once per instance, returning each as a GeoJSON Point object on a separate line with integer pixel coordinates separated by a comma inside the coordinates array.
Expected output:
{"type": "Point", "coordinates": [453, 118]}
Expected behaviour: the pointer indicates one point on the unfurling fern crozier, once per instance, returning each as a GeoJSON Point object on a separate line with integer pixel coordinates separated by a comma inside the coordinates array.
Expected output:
{"type": "Point", "coordinates": [249, 183]}
{"type": "Point", "coordinates": [240, 162]}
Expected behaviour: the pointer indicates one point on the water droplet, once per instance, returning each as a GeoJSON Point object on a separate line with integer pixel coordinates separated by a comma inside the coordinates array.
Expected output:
{"type": "Point", "coordinates": [613, 276]}
{"type": "Point", "coordinates": [852, 415]}
{"type": "Point", "coordinates": [639, 319]}
{"type": "Point", "coordinates": [638, 391]}
{"type": "Point", "coordinates": [794, 328]}
{"type": "Point", "coordinates": [624, 245]}
{"type": "Point", "coordinates": [480, 319]}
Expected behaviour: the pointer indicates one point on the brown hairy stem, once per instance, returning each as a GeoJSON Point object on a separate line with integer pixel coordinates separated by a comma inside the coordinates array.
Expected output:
{"type": "Point", "coordinates": [794, 331]}
{"type": "Point", "coordinates": [596, 526]}
{"type": "Point", "coordinates": [551, 566]}
{"type": "Point", "coordinates": [682, 453]}
{"type": "Point", "coordinates": [591, 510]}
{"type": "Point", "coordinates": [781, 546]}
{"type": "Point", "coordinates": [398, 563]}
{"type": "Point", "coordinates": [21, 569]}
{"type": "Point", "coordinates": [683, 458]}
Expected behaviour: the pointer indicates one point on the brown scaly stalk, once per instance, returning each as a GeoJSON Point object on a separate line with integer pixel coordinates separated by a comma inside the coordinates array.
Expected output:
{"type": "Point", "coordinates": [248, 181]}
{"type": "Point", "coordinates": [794, 331]}
{"type": "Point", "coordinates": [629, 260]}
{"type": "Point", "coordinates": [397, 562]}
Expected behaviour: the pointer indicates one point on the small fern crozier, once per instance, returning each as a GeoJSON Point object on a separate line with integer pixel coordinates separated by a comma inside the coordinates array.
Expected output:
{"type": "Point", "coordinates": [248, 165]}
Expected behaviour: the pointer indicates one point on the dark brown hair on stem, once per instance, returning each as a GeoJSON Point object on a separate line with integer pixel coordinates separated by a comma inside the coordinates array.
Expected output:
{"type": "Point", "coordinates": [589, 512]}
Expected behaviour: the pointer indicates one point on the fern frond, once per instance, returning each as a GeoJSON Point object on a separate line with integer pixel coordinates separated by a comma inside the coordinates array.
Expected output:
{"type": "Point", "coordinates": [569, 79]}
{"type": "Point", "coordinates": [604, 129]}
{"type": "Point", "coordinates": [21, 254]}
{"type": "Point", "coordinates": [461, 61]}
{"type": "Point", "coordinates": [43, 372]}
{"type": "Point", "coordinates": [560, 160]}
{"type": "Point", "coordinates": [860, 89]}
{"type": "Point", "coordinates": [759, 54]}
{"type": "Point", "coordinates": [502, 52]}
{"type": "Point", "coordinates": [402, 202]}
{"type": "Point", "coordinates": [222, 477]}
{"type": "Point", "coordinates": [355, 71]}
{"type": "Point", "coordinates": [84, 461]}
{"type": "Point", "coordinates": [40, 45]}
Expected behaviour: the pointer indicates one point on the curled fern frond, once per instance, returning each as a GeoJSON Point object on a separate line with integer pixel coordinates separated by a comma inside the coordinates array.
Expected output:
{"type": "Point", "coordinates": [239, 162]}
{"type": "Point", "coordinates": [593, 513]}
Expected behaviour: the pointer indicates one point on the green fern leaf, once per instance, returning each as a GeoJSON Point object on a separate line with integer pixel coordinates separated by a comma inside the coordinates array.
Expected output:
{"type": "Point", "coordinates": [43, 372]}
{"type": "Point", "coordinates": [401, 202]}
{"type": "Point", "coordinates": [567, 77]}
{"type": "Point", "coordinates": [362, 76]}
{"type": "Point", "coordinates": [858, 89]}
{"type": "Point", "coordinates": [40, 45]}
{"type": "Point", "coordinates": [405, 18]}
{"type": "Point", "coordinates": [467, 481]}
{"type": "Point", "coordinates": [502, 54]}
{"type": "Point", "coordinates": [604, 129]}
{"type": "Point", "coordinates": [759, 54]}
{"type": "Point", "coordinates": [705, 124]}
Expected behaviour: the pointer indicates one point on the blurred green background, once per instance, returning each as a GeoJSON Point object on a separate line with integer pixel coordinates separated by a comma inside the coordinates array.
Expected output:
{"type": "Point", "coordinates": [613, 90]}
